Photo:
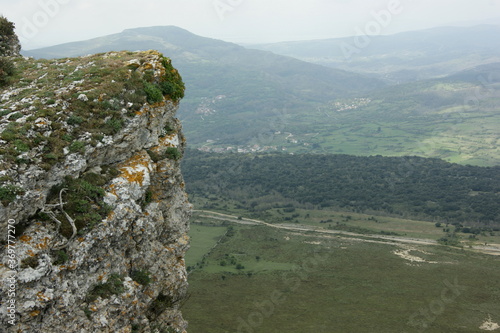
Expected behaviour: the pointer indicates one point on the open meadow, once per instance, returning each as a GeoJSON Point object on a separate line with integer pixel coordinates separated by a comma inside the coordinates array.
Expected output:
{"type": "Point", "coordinates": [248, 277]}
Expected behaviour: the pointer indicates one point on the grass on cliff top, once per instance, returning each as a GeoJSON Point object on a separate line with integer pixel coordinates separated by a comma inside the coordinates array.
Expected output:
{"type": "Point", "coordinates": [71, 103]}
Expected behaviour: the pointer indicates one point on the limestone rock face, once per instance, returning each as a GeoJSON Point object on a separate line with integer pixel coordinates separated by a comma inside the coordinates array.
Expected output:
{"type": "Point", "coordinates": [92, 190]}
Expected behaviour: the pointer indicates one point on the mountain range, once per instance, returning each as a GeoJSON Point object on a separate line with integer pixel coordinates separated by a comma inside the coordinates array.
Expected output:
{"type": "Point", "coordinates": [431, 93]}
{"type": "Point", "coordinates": [403, 57]}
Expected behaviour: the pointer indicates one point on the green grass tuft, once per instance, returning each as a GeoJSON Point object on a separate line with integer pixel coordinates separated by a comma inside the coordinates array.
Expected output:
{"type": "Point", "coordinates": [114, 286]}
{"type": "Point", "coordinates": [141, 277]}
{"type": "Point", "coordinates": [8, 193]}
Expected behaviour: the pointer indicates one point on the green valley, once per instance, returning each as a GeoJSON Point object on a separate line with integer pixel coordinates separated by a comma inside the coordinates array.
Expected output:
{"type": "Point", "coordinates": [247, 100]}
{"type": "Point", "coordinates": [338, 243]}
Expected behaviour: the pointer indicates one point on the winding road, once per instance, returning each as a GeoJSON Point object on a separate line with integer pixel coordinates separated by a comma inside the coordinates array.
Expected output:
{"type": "Point", "coordinates": [491, 249]}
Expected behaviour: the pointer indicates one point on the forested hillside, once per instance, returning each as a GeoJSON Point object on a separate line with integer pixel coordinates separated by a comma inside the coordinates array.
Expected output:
{"type": "Point", "coordinates": [412, 187]}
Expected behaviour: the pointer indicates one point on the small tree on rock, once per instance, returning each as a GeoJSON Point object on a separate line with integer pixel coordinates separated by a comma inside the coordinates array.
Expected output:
{"type": "Point", "coordinates": [9, 43]}
{"type": "Point", "coordinates": [9, 47]}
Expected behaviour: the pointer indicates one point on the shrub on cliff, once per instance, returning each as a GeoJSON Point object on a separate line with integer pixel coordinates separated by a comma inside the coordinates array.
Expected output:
{"type": "Point", "coordinates": [7, 69]}
{"type": "Point", "coordinates": [153, 93]}
{"type": "Point", "coordinates": [173, 153]}
{"type": "Point", "coordinates": [9, 43]}
{"type": "Point", "coordinates": [170, 84]}
{"type": "Point", "coordinates": [9, 46]}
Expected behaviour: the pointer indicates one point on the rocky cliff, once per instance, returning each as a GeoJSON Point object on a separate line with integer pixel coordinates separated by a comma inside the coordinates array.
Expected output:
{"type": "Point", "coordinates": [94, 216]}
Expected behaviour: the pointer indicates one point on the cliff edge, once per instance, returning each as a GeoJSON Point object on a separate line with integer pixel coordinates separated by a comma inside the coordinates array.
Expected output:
{"type": "Point", "coordinates": [93, 212]}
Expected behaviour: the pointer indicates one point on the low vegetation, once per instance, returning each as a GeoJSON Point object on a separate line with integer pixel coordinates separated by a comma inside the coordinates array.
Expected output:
{"type": "Point", "coordinates": [159, 305]}
{"type": "Point", "coordinates": [113, 286]}
{"type": "Point", "coordinates": [173, 153]}
{"type": "Point", "coordinates": [61, 257]}
{"type": "Point", "coordinates": [60, 106]}
{"type": "Point", "coordinates": [9, 46]}
{"type": "Point", "coordinates": [141, 277]}
{"type": "Point", "coordinates": [83, 201]}
{"type": "Point", "coordinates": [7, 70]}
{"type": "Point", "coordinates": [8, 193]}
{"type": "Point", "coordinates": [369, 211]}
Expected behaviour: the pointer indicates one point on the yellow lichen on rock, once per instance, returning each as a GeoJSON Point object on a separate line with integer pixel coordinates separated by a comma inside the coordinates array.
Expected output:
{"type": "Point", "coordinates": [136, 167]}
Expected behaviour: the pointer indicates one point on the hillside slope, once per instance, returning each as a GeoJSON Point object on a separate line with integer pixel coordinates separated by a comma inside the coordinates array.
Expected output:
{"type": "Point", "coordinates": [230, 90]}
{"type": "Point", "coordinates": [224, 62]}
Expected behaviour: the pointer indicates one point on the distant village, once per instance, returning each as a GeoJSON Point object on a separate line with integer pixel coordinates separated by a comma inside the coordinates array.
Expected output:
{"type": "Point", "coordinates": [206, 108]}
{"type": "Point", "coordinates": [242, 150]}
{"type": "Point", "coordinates": [207, 105]}
{"type": "Point", "coordinates": [212, 147]}
{"type": "Point", "coordinates": [353, 104]}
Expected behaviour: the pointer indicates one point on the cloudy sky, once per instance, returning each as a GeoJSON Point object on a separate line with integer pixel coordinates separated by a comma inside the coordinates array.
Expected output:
{"type": "Point", "coordinates": [48, 22]}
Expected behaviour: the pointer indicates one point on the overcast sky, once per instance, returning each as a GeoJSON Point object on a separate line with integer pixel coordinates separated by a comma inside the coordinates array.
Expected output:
{"type": "Point", "coordinates": [48, 22]}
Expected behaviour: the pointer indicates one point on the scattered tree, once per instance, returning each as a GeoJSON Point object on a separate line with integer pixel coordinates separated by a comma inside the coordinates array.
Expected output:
{"type": "Point", "coordinates": [9, 47]}
{"type": "Point", "coordinates": [9, 43]}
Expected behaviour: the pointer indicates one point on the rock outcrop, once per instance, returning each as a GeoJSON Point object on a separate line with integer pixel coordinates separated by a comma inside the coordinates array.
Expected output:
{"type": "Point", "coordinates": [93, 196]}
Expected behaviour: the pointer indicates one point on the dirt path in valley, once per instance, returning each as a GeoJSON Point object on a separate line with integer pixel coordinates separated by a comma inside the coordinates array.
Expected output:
{"type": "Point", "coordinates": [491, 249]}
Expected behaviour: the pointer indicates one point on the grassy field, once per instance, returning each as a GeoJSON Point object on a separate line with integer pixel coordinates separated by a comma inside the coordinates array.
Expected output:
{"type": "Point", "coordinates": [455, 133]}
{"type": "Point", "coordinates": [262, 279]}
{"type": "Point", "coordinates": [358, 222]}
{"type": "Point", "coordinates": [202, 240]}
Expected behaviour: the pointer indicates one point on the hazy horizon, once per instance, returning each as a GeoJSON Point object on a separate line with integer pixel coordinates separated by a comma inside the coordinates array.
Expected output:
{"type": "Point", "coordinates": [42, 23]}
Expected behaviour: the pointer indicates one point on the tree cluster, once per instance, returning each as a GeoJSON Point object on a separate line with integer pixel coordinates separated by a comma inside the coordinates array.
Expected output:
{"type": "Point", "coordinates": [405, 186]}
